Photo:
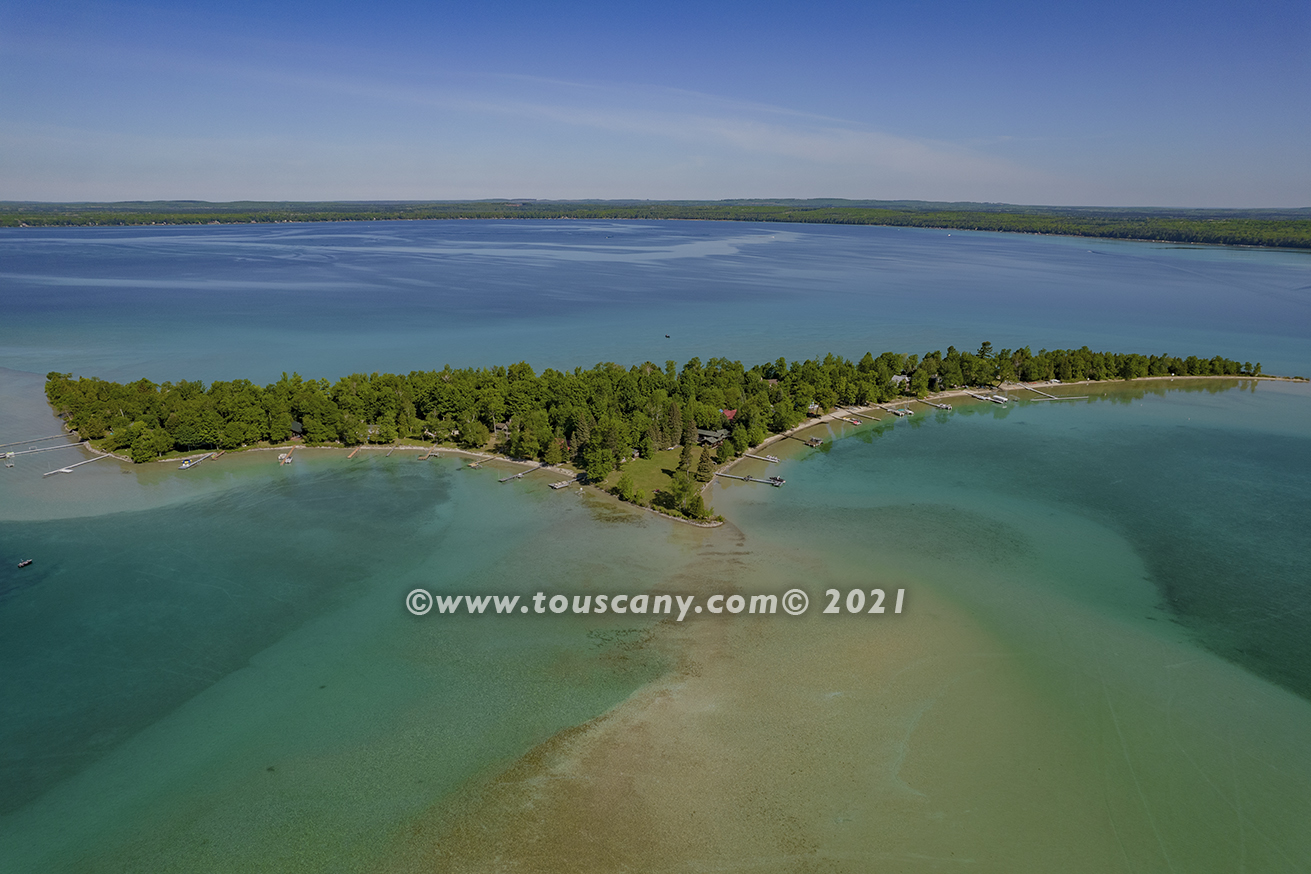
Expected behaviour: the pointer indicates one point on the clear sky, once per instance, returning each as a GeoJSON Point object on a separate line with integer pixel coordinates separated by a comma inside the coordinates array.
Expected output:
{"type": "Point", "coordinates": [1155, 104]}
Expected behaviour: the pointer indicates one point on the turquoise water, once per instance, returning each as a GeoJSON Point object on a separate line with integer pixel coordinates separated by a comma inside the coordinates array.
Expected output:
{"type": "Point", "coordinates": [213, 669]}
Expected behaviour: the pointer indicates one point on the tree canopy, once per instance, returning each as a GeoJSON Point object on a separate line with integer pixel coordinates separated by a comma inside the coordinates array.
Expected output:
{"type": "Point", "coordinates": [592, 418]}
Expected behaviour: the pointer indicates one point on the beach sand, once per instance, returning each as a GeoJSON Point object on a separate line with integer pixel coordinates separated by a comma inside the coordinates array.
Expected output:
{"type": "Point", "coordinates": [793, 745]}
{"type": "Point", "coordinates": [1015, 731]}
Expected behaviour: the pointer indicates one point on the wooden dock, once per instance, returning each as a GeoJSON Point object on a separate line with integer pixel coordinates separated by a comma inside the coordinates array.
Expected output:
{"type": "Point", "coordinates": [753, 479]}
{"type": "Point", "coordinates": [996, 399]}
{"type": "Point", "coordinates": [285, 458]}
{"type": "Point", "coordinates": [33, 440]}
{"type": "Point", "coordinates": [189, 463]}
{"type": "Point", "coordinates": [771, 459]}
{"type": "Point", "coordinates": [42, 449]}
{"type": "Point", "coordinates": [69, 469]}
{"type": "Point", "coordinates": [521, 474]}
{"type": "Point", "coordinates": [1043, 393]}
{"type": "Point", "coordinates": [353, 451]}
{"type": "Point", "coordinates": [932, 404]}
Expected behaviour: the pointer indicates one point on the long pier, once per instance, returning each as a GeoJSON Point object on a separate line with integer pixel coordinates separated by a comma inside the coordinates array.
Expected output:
{"type": "Point", "coordinates": [521, 474]}
{"type": "Point", "coordinates": [1043, 393]}
{"type": "Point", "coordinates": [33, 440]}
{"type": "Point", "coordinates": [43, 449]}
{"type": "Point", "coordinates": [69, 469]}
{"type": "Point", "coordinates": [932, 404]}
{"type": "Point", "coordinates": [750, 479]}
{"type": "Point", "coordinates": [771, 459]}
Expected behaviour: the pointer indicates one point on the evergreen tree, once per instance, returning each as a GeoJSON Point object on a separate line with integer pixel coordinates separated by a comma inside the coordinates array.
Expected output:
{"type": "Point", "coordinates": [705, 469]}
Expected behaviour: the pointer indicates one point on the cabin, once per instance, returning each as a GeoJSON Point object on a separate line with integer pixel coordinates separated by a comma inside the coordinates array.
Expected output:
{"type": "Point", "coordinates": [901, 379]}
{"type": "Point", "coordinates": [706, 437]}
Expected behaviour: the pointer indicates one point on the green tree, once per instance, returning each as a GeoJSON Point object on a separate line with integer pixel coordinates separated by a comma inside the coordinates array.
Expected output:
{"type": "Point", "coordinates": [624, 488]}
{"type": "Point", "coordinates": [474, 434]}
{"type": "Point", "coordinates": [554, 451]}
{"type": "Point", "coordinates": [685, 458]}
{"type": "Point", "coordinates": [600, 461]}
{"type": "Point", "coordinates": [705, 469]}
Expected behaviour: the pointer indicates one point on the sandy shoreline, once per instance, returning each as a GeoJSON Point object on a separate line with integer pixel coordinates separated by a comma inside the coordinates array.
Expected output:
{"type": "Point", "coordinates": [841, 414]}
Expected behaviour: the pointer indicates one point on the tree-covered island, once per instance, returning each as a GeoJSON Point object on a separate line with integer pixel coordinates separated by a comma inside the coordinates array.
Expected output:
{"type": "Point", "coordinates": [593, 419]}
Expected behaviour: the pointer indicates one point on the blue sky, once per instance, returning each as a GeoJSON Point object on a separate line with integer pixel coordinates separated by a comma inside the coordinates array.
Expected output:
{"type": "Point", "coordinates": [1170, 104]}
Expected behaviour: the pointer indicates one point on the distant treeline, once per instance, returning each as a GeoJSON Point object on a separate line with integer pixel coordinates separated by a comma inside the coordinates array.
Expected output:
{"type": "Point", "coordinates": [1286, 228]}
{"type": "Point", "coordinates": [591, 418]}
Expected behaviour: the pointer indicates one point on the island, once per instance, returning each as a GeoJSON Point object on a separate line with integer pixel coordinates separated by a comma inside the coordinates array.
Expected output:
{"type": "Point", "coordinates": [608, 424]}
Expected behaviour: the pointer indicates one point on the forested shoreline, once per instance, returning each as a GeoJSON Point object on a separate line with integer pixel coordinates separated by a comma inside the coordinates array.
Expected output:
{"type": "Point", "coordinates": [589, 418]}
{"type": "Point", "coordinates": [1268, 228]}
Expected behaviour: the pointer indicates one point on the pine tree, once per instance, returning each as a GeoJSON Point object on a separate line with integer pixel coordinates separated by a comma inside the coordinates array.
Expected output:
{"type": "Point", "coordinates": [705, 469]}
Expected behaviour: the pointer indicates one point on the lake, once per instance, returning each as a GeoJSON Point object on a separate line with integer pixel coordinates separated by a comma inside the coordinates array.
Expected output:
{"type": "Point", "coordinates": [1103, 663]}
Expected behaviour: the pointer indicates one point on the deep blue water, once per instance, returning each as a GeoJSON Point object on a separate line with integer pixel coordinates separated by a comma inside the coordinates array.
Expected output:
{"type": "Point", "coordinates": [219, 302]}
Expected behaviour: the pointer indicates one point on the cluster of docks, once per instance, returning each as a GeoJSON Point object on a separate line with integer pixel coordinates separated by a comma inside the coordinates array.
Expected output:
{"type": "Point", "coordinates": [34, 445]}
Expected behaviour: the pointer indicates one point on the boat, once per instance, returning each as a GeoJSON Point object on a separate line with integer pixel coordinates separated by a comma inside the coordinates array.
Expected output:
{"type": "Point", "coordinates": [25, 562]}
{"type": "Point", "coordinates": [192, 462]}
{"type": "Point", "coordinates": [564, 483]}
{"type": "Point", "coordinates": [776, 480]}
{"type": "Point", "coordinates": [814, 441]}
{"type": "Point", "coordinates": [853, 420]}
{"type": "Point", "coordinates": [773, 458]}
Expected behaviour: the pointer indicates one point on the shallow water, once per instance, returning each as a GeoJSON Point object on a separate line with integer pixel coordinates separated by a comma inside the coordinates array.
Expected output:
{"type": "Point", "coordinates": [1106, 599]}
